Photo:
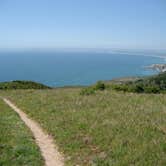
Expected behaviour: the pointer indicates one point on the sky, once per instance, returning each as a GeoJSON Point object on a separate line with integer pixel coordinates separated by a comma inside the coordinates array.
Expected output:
{"type": "Point", "coordinates": [131, 24]}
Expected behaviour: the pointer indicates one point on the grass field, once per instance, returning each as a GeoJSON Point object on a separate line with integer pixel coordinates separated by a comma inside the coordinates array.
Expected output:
{"type": "Point", "coordinates": [104, 129]}
{"type": "Point", "coordinates": [17, 146]}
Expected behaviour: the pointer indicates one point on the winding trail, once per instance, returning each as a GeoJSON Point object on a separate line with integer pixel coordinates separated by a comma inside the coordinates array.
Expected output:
{"type": "Point", "coordinates": [48, 150]}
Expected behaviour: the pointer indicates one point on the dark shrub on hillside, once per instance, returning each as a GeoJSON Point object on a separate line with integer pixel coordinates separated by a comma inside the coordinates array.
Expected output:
{"type": "Point", "coordinates": [136, 88]}
{"type": "Point", "coordinates": [120, 87]}
{"type": "Point", "coordinates": [151, 89]}
{"type": "Point", "coordinates": [99, 86]}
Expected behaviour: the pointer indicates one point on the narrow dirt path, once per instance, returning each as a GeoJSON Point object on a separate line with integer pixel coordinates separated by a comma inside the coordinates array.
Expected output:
{"type": "Point", "coordinates": [49, 152]}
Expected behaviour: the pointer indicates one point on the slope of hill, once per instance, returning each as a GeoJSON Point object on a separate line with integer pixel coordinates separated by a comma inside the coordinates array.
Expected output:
{"type": "Point", "coordinates": [150, 84]}
{"type": "Point", "coordinates": [105, 128]}
{"type": "Point", "coordinates": [22, 85]}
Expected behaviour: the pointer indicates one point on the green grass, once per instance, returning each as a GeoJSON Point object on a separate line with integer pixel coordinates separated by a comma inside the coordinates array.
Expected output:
{"type": "Point", "coordinates": [17, 146]}
{"type": "Point", "coordinates": [104, 129]}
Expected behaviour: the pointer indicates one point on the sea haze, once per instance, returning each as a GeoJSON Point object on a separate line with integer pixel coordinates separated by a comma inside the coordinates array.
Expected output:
{"type": "Point", "coordinates": [67, 68]}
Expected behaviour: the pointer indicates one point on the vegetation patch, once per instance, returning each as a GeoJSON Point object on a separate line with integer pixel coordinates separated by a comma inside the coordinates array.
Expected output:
{"type": "Point", "coordinates": [22, 85]}
{"type": "Point", "coordinates": [153, 84]}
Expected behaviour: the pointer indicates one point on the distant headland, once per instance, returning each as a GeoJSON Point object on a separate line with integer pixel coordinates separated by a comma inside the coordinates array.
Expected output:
{"type": "Point", "coordinates": [157, 67]}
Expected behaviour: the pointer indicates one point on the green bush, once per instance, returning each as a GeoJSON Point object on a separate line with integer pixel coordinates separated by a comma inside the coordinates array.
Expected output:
{"type": "Point", "coordinates": [151, 89]}
{"type": "Point", "coordinates": [100, 86]}
{"type": "Point", "coordinates": [120, 87]}
{"type": "Point", "coordinates": [136, 88]}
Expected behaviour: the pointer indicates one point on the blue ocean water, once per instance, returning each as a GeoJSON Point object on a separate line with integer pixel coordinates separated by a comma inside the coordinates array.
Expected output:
{"type": "Point", "coordinates": [62, 68]}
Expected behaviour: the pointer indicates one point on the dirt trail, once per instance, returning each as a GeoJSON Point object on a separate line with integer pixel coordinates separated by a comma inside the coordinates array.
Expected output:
{"type": "Point", "coordinates": [49, 152]}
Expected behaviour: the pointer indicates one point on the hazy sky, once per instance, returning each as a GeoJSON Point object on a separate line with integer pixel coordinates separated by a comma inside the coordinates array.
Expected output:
{"type": "Point", "coordinates": [83, 23]}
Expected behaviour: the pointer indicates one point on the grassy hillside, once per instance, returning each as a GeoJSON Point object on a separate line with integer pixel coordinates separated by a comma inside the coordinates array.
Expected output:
{"type": "Point", "coordinates": [152, 84]}
{"type": "Point", "coordinates": [17, 147]}
{"type": "Point", "coordinates": [22, 85]}
{"type": "Point", "coordinates": [106, 128]}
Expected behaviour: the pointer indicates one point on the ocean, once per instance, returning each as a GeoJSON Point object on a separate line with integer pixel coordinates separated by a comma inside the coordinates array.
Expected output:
{"type": "Point", "coordinates": [72, 68]}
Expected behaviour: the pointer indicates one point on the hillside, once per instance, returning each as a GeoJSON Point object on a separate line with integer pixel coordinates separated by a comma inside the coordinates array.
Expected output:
{"type": "Point", "coordinates": [150, 84]}
{"type": "Point", "coordinates": [22, 85]}
{"type": "Point", "coordinates": [102, 129]}
{"type": "Point", "coordinates": [99, 125]}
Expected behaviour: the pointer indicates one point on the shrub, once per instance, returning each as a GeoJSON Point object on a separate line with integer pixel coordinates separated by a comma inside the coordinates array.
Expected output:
{"type": "Point", "coordinates": [137, 89]}
{"type": "Point", "coordinates": [120, 87]}
{"type": "Point", "coordinates": [100, 86]}
{"type": "Point", "coordinates": [151, 89]}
